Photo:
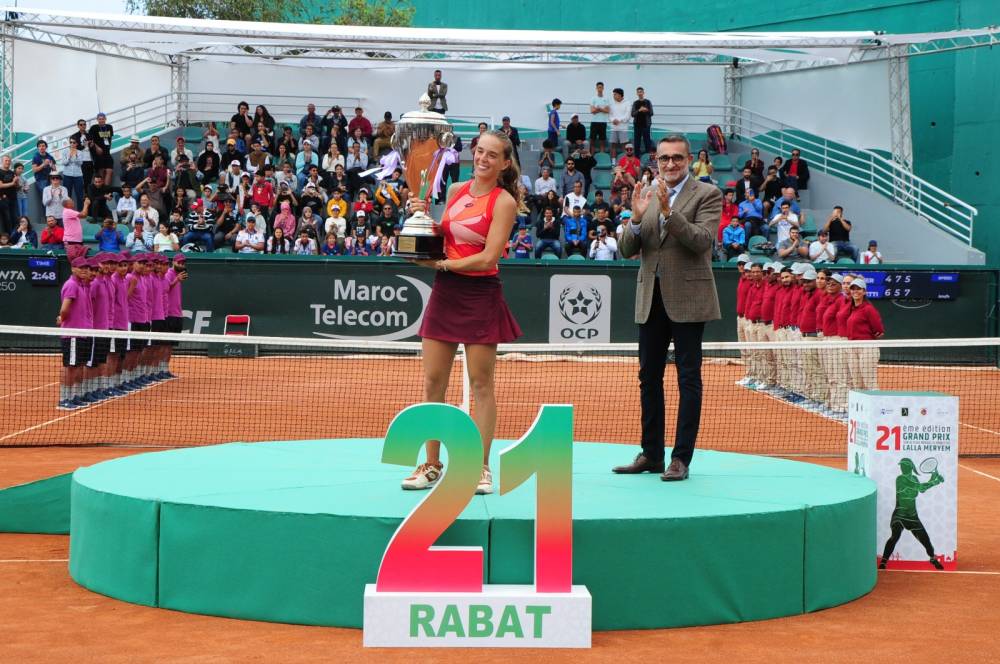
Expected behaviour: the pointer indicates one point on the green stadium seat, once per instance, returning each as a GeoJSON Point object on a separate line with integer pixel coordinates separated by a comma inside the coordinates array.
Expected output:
{"type": "Point", "coordinates": [844, 260]}
{"type": "Point", "coordinates": [733, 259]}
{"type": "Point", "coordinates": [558, 159]}
{"type": "Point", "coordinates": [601, 180]}
{"type": "Point", "coordinates": [722, 162]}
{"type": "Point", "coordinates": [754, 243]}
{"type": "Point", "coordinates": [549, 256]}
{"type": "Point", "coordinates": [603, 160]}
{"type": "Point", "coordinates": [576, 257]}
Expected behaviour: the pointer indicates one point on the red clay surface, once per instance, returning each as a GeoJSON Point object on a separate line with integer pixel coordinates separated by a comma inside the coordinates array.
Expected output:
{"type": "Point", "coordinates": [285, 398]}
{"type": "Point", "coordinates": [911, 617]}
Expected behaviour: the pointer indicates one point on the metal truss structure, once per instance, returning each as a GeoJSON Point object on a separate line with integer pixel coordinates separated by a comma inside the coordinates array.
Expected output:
{"type": "Point", "coordinates": [7, 86]}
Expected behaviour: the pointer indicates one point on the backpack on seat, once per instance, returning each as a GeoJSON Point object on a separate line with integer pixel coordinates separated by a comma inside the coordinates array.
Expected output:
{"type": "Point", "coordinates": [716, 139]}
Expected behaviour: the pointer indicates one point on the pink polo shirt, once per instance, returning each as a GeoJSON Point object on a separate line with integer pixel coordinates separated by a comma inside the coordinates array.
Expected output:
{"type": "Point", "coordinates": [157, 302]}
{"type": "Point", "coordinates": [103, 303]}
{"type": "Point", "coordinates": [174, 286]}
{"type": "Point", "coordinates": [120, 289]}
{"type": "Point", "coordinates": [72, 229]}
{"type": "Point", "coordinates": [138, 307]}
{"type": "Point", "coordinates": [81, 312]}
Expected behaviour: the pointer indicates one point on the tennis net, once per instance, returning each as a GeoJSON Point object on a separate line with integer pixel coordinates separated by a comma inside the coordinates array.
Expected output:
{"type": "Point", "coordinates": [230, 388]}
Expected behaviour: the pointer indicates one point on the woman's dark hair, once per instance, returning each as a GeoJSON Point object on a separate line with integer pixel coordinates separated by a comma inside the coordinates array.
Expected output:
{"type": "Point", "coordinates": [510, 177]}
{"type": "Point", "coordinates": [278, 244]}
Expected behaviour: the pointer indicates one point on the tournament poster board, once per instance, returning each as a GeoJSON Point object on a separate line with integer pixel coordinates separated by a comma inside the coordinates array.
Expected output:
{"type": "Point", "coordinates": [907, 442]}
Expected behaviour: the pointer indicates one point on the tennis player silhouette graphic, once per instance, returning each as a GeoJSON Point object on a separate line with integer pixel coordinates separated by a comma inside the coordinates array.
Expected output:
{"type": "Point", "coordinates": [908, 487]}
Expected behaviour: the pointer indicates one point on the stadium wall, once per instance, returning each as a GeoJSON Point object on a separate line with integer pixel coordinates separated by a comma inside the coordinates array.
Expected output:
{"type": "Point", "coordinates": [382, 299]}
{"type": "Point", "coordinates": [955, 97]}
{"type": "Point", "coordinates": [520, 91]}
{"type": "Point", "coordinates": [54, 86]}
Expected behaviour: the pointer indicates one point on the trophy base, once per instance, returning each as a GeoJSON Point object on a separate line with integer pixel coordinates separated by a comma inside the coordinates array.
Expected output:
{"type": "Point", "coordinates": [420, 247]}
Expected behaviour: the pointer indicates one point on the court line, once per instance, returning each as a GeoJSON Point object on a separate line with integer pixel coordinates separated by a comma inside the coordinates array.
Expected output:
{"type": "Point", "coordinates": [942, 573]}
{"type": "Point", "coordinates": [979, 472]}
{"type": "Point", "coordinates": [7, 396]}
{"type": "Point", "coordinates": [85, 409]}
{"type": "Point", "coordinates": [37, 560]}
{"type": "Point", "coordinates": [973, 426]}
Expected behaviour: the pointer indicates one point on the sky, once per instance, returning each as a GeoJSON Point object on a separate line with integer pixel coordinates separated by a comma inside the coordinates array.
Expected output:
{"type": "Point", "coordinates": [105, 6]}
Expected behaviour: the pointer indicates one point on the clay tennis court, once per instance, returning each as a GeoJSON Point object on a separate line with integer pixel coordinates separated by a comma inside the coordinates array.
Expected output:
{"type": "Point", "coordinates": [922, 617]}
{"type": "Point", "coordinates": [219, 400]}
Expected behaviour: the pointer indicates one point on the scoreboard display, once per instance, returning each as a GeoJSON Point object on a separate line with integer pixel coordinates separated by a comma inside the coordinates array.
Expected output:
{"type": "Point", "coordinates": [906, 285]}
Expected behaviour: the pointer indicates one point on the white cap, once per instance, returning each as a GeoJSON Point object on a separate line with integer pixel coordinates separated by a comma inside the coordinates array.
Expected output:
{"type": "Point", "coordinates": [839, 278]}
{"type": "Point", "coordinates": [809, 275]}
{"type": "Point", "coordinates": [800, 268]}
{"type": "Point", "coordinates": [743, 258]}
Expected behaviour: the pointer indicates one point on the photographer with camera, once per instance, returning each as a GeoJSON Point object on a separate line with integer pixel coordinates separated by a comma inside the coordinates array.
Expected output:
{"type": "Point", "coordinates": [604, 247]}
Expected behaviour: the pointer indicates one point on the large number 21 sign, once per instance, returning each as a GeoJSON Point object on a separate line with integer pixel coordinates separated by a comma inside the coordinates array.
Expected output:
{"type": "Point", "coordinates": [428, 576]}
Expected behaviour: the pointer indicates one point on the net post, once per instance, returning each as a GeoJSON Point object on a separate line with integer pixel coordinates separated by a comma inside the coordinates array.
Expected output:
{"type": "Point", "coordinates": [466, 386]}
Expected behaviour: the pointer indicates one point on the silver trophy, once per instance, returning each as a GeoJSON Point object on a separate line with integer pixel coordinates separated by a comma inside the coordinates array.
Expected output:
{"type": "Point", "coordinates": [420, 139]}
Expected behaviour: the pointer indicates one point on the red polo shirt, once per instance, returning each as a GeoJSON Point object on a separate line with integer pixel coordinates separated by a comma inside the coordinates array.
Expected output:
{"type": "Point", "coordinates": [843, 311]}
{"type": "Point", "coordinates": [754, 300]}
{"type": "Point", "coordinates": [781, 310]}
{"type": "Point", "coordinates": [864, 322]}
{"type": "Point", "coordinates": [830, 328]}
{"type": "Point", "coordinates": [807, 311]}
{"type": "Point", "coordinates": [767, 305]}
{"type": "Point", "coordinates": [741, 293]}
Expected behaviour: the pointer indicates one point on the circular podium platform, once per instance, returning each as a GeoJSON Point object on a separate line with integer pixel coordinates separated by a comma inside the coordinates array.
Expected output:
{"type": "Point", "coordinates": [292, 532]}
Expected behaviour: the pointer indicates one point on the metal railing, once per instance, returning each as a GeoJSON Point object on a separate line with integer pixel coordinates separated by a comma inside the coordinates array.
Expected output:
{"type": "Point", "coordinates": [861, 167]}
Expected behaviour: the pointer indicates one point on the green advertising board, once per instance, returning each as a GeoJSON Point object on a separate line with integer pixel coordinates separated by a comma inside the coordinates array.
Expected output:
{"type": "Point", "coordinates": [383, 299]}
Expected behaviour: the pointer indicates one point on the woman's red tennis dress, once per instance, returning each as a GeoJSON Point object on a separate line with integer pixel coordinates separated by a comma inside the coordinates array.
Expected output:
{"type": "Point", "coordinates": [468, 307]}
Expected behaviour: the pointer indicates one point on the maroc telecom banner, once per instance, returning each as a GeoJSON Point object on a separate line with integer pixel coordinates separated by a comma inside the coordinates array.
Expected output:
{"type": "Point", "coordinates": [383, 299]}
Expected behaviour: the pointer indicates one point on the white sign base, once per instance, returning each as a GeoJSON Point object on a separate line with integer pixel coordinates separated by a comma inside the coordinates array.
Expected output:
{"type": "Point", "coordinates": [502, 616]}
{"type": "Point", "coordinates": [907, 443]}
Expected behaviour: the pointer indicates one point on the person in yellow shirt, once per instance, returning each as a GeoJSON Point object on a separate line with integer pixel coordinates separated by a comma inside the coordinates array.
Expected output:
{"type": "Point", "coordinates": [338, 203]}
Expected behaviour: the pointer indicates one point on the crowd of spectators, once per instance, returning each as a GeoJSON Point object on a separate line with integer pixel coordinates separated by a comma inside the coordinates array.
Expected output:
{"type": "Point", "coordinates": [261, 187]}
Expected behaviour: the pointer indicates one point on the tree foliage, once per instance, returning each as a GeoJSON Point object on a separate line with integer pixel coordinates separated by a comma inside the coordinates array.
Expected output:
{"type": "Point", "coordinates": [397, 13]}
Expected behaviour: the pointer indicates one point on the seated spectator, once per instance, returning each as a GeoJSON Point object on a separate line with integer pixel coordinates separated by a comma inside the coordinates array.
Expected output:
{"type": "Point", "coordinates": [312, 197]}
{"type": "Point", "coordinates": [5, 241]}
{"type": "Point", "coordinates": [585, 163]}
{"type": "Point", "coordinates": [208, 163]}
{"type": "Point", "coordinates": [242, 121]}
{"type": "Point", "coordinates": [547, 159]}
{"type": "Point", "coordinates": [337, 204]}
{"type": "Point", "coordinates": [575, 232]}
{"type": "Point", "coordinates": [359, 221]}
{"type": "Point", "coordinates": [386, 193]}
{"type": "Point", "coordinates": [795, 172]}
{"type": "Point", "coordinates": [872, 256]}
{"type": "Point", "coordinates": [286, 177]}
{"type": "Point", "coordinates": [574, 198]}
{"type": "Point", "coordinates": [125, 208]}
{"type": "Point", "coordinates": [257, 158]}
{"type": "Point", "coordinates": [339, 181]}
{"type": "Point", "coordinates": [822, 250]}
{"type": "Point", "coordinates": [363, 203]}
{"type": "Point", "coordinates": [551, 201]}
{"type": "Point", "coordinates": [176, 222]}
{"type": "Point", "coordinates": [357, 139]}
{"type": "Point", "coordinates": [303, 160]}
{"type": "Point", "coordinates": [544, 184]}
{"type": "Point", "coordinates": [356, 243]}
{"type": "Point", "coordinates": [783, 221]}
{"type": "Point", "coordinates": [231, 154]}
{"type": "Point", "coordinates": [771, 191]}
{"type": "Point", "coordinates": [52, 235]}
{"type": "Point", "coordinates": [621, 183]}
{"type": "Point", "coordinates": [751, 214]}
{"type": "Point", "coordinates": [155, 150]}
{"type": "Point", "coordinates": [547, 234]}
{"type": "Point", "coordinates": [521, 244]}
{"type": "Point", "coordinates": [288, 140]}
{"type": "Point", "coordinates": [576, 137]}
{"type": "Point", "coordinates": [630, 164]}
{"type": "Point", "coordinates": [332, 157]}
{"type": "Point", "coordinates": [840, 233]}
{"type": "Point", "coordinates": [285, 220]}
{"type": "Point", "coordinates": [624, 217]}
{"type": "Point", "coordinates": [601, 218]}
{"type": "Point", "coordinates": [309, 138]}
{"type": "Point", "coordinates": [284, 156]}
{"type": "Point", "coordinates": [24, 237]}
{"type": "Point", "coordinates": [387, 219]}
{"type": "Point", "coordinates": [305, 245]}
{"type": "Point", "coordinates": [755, 164]}
{"type": "Point", "coordinates": [250, 240]}
{"type": "Point", "coordinates": [734, 238]}
{"type": "Point", "coordinates": [228, 225]}
{"type": "Point", "coordinates": [374, 244]}
{"type": "Point", "coordinates": [262, 192]}
{"type": "Point", "coordinates": [729, 210]}
{"type": "Point", "coordinates": [789, 196]}
{"type": "Point", "coordinates": [137, 241]}
{"type": "Point", "coordinates": [332, 246]}
{"type": "Point", "coordinates": [604, 247]}
{"type": "Point", "coordinates": [109, 238]}
{"type": "Point", "coordinates": [356, 161]}
{"type": "Point", "coordinates": [600, 203]}
{"type": "Point", "coordinates": [749, 182]}
{"type": "Point", "coordinates": [257, 214]}
{"type": "Point", "coordinates": [702, 167]}
{"type": "Point", "coordinates": [200, 228]}
{"type": "Point", "coordinates": [360, 121]}
{"type": "Point", "coordinates": [180, 150]}
{"type": "Point", "coordinates": [308, 222]}
{"type": "Point", "coordinates": [147, 214]}
{"type": "Point", "coordinates": [793, 248]}
{"type": "Point", "coordinates": [165, 240]}
{"type": "Point", "coordinates": [186, 180]}
{"type": "Point", "coordinates": [309, 119]}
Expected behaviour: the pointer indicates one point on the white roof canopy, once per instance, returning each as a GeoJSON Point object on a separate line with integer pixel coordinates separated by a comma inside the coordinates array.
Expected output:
{"type": "Point", "coordinates": [163, 38]}
{"type": "Point", "coordinates": [235, 40]}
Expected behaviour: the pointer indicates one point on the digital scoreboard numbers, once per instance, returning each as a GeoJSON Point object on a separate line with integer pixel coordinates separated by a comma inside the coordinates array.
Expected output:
{"type": "Point", "coordinates": [43, 271]}
{"type": "Point", "coordinates": [906, 285]}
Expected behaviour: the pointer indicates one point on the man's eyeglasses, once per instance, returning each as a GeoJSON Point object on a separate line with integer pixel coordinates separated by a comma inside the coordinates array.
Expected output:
{"type": "Point", "coordinates": [667, 158]}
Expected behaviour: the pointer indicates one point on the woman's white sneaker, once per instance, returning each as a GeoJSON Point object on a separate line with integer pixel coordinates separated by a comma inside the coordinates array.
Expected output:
{"type": "Point", "coordinates": [485, 482]}
{"type": "Point", "coordinates": [424, 477]}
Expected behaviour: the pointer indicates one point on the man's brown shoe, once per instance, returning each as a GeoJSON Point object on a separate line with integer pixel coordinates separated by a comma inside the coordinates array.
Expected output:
{"type": "Point", "coordinates": [675, 472]}
{"type": "Point", "coordinates": [640, 465]}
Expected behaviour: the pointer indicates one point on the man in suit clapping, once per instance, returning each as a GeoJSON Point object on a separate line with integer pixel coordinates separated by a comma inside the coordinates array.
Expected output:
{"type": "Point", "coordinates": [673, 226]}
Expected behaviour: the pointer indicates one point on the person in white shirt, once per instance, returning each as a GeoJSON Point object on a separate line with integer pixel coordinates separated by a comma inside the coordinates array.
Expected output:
{"type": "Point", "coordinates": [53, 196]}
{"type": "Point", "coordinates": [337, 225]}
{"type": "Point", "coordinates": [873, 256]}
{"type": "Point", "coordinates": [125, 208]}
{"type": "Point", "coordinates": [149, 216]}
{"type": "Point", "coordinates": [165, 240]}
{"type": "Point", "coordinates": [620, 114]}
{"type": "Point", "coordinates": [574, 199]}
{"type": "Point", "coordinates": [604, 247]}
{"type": "Point", "coordinates": [822, 250]}
{"type": "Point", "coordinates": [250, 240]}
{"type": "Point", "coordinates": [783, 221]}
{"type": "Point", "coordinates": [305, 245]}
